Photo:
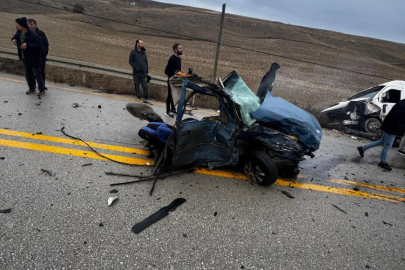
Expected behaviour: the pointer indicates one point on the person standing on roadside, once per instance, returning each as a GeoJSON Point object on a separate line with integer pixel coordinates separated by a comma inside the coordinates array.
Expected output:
{"type": "Point", "coordinates": [29, 51]}
{"type": "Point", "coordinates": [392, 126]}
{"type": "Point", "coordinates": [32, 24]}
{"type": "Point", "coordinates": [139, 63]}
{"type": "Point", "coordinates": [173, 65]}
{"type": "Point", "coordinates": [401, 148]}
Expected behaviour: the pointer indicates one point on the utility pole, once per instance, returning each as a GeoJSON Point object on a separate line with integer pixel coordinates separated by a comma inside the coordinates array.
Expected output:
{"type": "Point", "coordinates": [219, 43]}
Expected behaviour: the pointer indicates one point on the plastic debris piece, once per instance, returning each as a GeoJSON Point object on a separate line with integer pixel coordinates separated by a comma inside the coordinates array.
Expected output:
{"type": "Point", "coordinates": [354, 138]}
{"type": "Point", "coordinates": [147, 163]}
{"type": "Point", "coordinates": [5, 211]}
{"type": "Point", "coordinates": [47, 172]}
{"type": "Point", "coordinates": [139, 227]}
{"type": "Point", "coordinates": [87, 164]}
{"type": "Point", "coordinates": [113, 191]}
{"type": "Point", "coordinates": [288, 194]}
{"type": "Point", "coordinates": [111, 200]}
{"type": "Point", "coordinates": [75, 105]}
{"type": "Point", "coordinates": [340, 209]}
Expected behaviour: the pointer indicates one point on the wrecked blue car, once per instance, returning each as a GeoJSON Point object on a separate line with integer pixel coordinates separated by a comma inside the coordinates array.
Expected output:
{"type": "Point", "coordinates": [265, 135]}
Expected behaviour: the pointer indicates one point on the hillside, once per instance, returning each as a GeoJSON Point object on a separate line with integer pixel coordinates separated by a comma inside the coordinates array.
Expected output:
{"type": "Point", "coordinates": [347, 63]}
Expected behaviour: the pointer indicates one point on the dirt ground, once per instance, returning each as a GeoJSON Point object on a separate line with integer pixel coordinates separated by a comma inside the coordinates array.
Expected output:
{"type": "Point", "coordinates": [343, 59]}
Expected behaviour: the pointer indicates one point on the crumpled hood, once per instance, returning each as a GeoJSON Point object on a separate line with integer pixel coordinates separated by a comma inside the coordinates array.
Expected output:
{"type": "Point", "coordinates": [290, 119]}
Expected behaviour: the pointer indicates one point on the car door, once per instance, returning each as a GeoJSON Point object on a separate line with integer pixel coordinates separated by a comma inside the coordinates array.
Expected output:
{"type": "Point", "coordinates": [210, 141]}
{"type": "Point", "coordinates": [388, 98]}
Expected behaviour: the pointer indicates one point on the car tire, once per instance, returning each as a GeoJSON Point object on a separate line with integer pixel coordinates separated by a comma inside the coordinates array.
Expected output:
{"type": "Point", "coordinates": [260, 168]}
{"type": "Point", "coordinates": [372, 125]}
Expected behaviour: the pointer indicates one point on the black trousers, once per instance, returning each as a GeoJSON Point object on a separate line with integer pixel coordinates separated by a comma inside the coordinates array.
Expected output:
{"type": "Point", "coordinates": [33, 74]}
{"type": "Point", "coordinates": [43, 71]}
{"type": "Point", "coordinates": [141, 80]}
{"type": "Point", "coordinates": [169, 100]}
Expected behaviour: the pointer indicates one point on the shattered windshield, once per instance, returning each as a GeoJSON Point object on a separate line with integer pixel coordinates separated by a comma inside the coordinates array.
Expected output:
{"type": "Point", "coordinates": [243, 96]}
{"type": "Point", "coordinates": [367, 94]}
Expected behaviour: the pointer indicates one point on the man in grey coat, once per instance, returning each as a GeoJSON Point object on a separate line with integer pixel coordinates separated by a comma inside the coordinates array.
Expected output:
{"type": "Point", "coordinates": [139, 62]}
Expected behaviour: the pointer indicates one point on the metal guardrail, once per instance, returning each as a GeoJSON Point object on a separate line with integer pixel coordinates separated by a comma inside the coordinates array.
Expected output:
{"type": "Point", "coordinates": [84, 66]}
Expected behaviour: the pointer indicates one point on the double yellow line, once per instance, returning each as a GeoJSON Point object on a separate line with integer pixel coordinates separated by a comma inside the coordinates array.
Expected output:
{"type": "Point", "coordinates": [216, 173]}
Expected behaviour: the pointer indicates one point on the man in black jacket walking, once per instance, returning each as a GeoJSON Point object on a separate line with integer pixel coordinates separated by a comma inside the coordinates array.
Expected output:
{"type": "Point", "coordinates": [173, 65]}
{"type": "Point", "coordinates": [392, 126]}
{"type": "Point", "coordinates": [29, 51]}
{"type": "Point", "coordinates": [139, 62]}
{"type": "Point", "coordinates": [32, 24]}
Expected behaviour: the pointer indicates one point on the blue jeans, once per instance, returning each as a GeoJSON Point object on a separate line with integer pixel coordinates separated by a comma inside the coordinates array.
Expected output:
{"type": "Point", "coordinates": [386, 141]}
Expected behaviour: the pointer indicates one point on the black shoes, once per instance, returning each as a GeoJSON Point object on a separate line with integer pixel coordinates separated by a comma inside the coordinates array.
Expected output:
{"type": "Point", "coordinates": [361, 151]}
{"type": "Point", "coordinates": [30, 92]}
{"type": "Point", "coordinates": [385, 166]}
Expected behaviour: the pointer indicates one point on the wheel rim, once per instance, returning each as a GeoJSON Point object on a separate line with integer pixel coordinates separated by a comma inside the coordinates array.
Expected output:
{"type": "Point", "coordinates": [254, 172]}
{"type": "Point", "coordinates": [374, 126]}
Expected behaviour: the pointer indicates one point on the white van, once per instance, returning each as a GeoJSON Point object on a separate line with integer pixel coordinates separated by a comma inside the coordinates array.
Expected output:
{"type": "Point", "coordinates": [366, 109]}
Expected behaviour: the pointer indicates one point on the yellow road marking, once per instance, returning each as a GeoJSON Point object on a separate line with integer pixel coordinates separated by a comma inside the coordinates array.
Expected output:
{"type": "Point", "coordinates": [346, 182]}
{"type": "Point", "coordinates": [70, 141]}
{"type": "Point", "coordinates": [315, 187]}
{"type": "Point", "coordinates": [218, 173]}
{"type": "Point", "coordinates": [72, 152]}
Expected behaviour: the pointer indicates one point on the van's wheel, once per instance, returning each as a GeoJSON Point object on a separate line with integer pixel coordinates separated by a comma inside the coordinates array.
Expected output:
{"type": "Point", "coordinates": [260, 168]}
{"type": "Point", "coordinates": [372, 125]}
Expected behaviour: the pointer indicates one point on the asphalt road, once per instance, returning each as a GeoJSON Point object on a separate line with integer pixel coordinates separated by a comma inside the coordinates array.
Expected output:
{"type": "Point", "coordinates": [346, 212]}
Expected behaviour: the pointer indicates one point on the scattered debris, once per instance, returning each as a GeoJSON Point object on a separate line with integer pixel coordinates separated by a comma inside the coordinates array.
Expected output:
{"type": "Point", "coordinates": [113, 191]}
{"type": "Point", "coordinates": [185, 235]}
{"type": "Point", "coordinates": [366, 214]}
{"type": "Point", "coordinates": [147, 163]}
{"type": "Point", "coordinates": [99, 106]}
{"type": "Point", "coordinates": [101, 224]}
{"type": "Point", "coordinates": [5, 211]}
{"type": "Point", "coordinates": [5, 101]}
{"type": "Point", "coordinates": [2, 158]}
{"type": "Point", "coordinates": [356, 189]}
{"type": "Point", "coordinates": [340, 209]}
{"type": "Point", "coordinates": [46, 171]}
{"type": "Point", "coordinates": [354, 138]}
{"type": "Point", "coordinates": [87, 164]}
{"type": "Point", "coordinates": [386, 223]}
{"type": "Point", "coordinates": [139, 227]}
{"type": "Point", "coordinates": [111, 200]}
{"type": "Point", "coordinates": [75, 105]}
{"type": "Point", "coordinates": [215, 214]}
{"type": "Point", "coordinates": [288, 194]}
{"type": "Point", "coordinates": [38, 104]}
{"type": "Point", "coordinates": [20, 114]}
{"type": "Point", "coordinates": [368, 266]}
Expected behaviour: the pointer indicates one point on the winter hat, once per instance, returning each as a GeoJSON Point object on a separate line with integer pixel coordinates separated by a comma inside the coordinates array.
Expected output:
{"type": "Point", "coordinates": [22, 21]}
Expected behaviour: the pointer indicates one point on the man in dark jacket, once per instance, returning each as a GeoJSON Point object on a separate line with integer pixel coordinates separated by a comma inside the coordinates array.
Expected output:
{"type": "Point", "coordinates": [32, 24]}
{"type": "Point", "coordinates": [29, 51]}
{"type": "Point", "coordinates": [392, 126]}
{"type": "Point", "coordinates": [139, 62]}
{"type": "Point", "coordinates": [173, 65]}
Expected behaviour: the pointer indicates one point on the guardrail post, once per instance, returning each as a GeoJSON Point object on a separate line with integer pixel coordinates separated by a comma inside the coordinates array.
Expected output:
{"type": "Point", "coordinates": [84, 76]}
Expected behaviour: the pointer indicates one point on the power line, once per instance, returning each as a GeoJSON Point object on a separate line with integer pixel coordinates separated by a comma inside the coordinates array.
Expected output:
{"type": "Point", "coordinates": [206, 40]}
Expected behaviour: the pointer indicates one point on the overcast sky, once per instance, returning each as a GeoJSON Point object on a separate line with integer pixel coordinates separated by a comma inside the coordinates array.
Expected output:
{"type": "Point", "coordinates": [382, 19]}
